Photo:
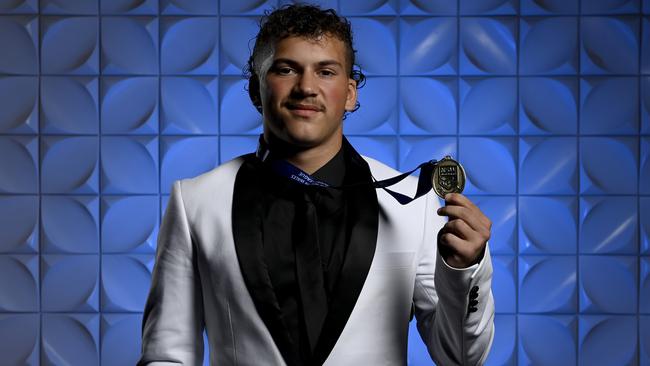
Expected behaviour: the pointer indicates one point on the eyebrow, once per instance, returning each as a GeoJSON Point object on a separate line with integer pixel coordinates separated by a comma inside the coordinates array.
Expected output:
{"type": "Point", "coordinates": [319, 63]}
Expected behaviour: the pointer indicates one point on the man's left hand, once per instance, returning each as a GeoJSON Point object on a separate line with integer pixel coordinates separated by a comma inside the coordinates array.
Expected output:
{"type": "Point", "coordinates": [462, 240]}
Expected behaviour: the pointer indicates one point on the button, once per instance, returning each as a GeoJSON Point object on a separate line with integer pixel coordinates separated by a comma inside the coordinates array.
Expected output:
{"type": "Point", "coordinates": [473, 295]}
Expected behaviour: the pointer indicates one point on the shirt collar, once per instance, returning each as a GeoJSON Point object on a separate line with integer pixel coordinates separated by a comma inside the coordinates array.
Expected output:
{"type": "Point", "coordinates": [333, 172]}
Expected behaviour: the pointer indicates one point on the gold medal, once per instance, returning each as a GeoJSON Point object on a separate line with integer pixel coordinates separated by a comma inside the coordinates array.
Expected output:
{"type": "Point", "coordinates": [448, 177]}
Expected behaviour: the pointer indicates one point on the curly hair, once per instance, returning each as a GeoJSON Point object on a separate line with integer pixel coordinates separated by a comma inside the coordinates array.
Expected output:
{"type": "Point", "coordinates": [301, 20]}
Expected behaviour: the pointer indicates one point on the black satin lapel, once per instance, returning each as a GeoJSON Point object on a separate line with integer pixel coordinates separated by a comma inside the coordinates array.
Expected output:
{"type": "Point", "coordinates": [247, 235]}
{"type": "Point", "coordinates": [364, 210]}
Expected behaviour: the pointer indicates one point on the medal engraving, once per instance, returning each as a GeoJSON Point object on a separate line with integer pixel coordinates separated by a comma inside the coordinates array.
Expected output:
{"type": "Point", "coordinates": [448, 177]}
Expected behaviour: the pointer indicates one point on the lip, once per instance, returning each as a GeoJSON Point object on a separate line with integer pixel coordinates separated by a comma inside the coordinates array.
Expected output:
{"type": "Point", "coordinates": [309, 107]}
{"type": "Point", "coordinates": [305, 110]}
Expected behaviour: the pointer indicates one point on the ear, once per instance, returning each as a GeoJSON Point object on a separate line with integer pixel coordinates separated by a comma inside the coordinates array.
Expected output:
{"type": "Point", "coordinates": [351, 99]}
{"type": "Point", "coordinates": [254, 92]}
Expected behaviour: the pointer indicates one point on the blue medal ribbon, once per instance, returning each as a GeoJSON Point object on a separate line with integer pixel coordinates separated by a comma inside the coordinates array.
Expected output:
{"type": "Point", "coordinates": [290, 171]}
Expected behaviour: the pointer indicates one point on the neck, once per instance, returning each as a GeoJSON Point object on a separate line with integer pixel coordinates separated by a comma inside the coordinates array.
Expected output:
{"type": "Point", "coordinates": [308, 159]}
{"type": "Point", "coordinates": [311, 160]}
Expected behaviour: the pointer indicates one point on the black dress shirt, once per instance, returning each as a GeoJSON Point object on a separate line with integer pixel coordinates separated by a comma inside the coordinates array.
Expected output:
{"type": "Point", "coordinates": [284, 226]}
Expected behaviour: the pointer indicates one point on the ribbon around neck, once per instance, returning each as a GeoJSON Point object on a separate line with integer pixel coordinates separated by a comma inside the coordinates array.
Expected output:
{"type": "Point", "coordinates": [290, 171]}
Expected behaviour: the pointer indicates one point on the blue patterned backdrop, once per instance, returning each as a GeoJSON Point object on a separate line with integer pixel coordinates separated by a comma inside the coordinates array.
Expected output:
{"type": "Point", "coordinates": [104, 103]}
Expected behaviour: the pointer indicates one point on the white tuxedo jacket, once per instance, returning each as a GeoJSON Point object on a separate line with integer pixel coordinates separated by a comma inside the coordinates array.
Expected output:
{"type": "Point", "coordinates": [198, 284]}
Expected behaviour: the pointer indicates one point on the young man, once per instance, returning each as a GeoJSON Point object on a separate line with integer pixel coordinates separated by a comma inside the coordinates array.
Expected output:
{"type": "Point", "coordinates": [280, 271]}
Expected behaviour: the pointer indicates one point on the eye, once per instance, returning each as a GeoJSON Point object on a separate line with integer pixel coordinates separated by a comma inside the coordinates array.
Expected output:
{"type": "Point", "coordinates": [283, 70]}
{"type": "Point", "coordinates": [327, 73]}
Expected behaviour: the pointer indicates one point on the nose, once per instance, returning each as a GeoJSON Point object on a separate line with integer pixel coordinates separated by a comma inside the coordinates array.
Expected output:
{"type": "Point", "coordinates": [306, 84]}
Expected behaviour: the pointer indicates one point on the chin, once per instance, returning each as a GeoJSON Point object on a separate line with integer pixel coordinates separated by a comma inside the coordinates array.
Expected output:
{"type": "Point", "coordinates": [301, 133]}
{"type": "Point", "coordinates": [302, 139]}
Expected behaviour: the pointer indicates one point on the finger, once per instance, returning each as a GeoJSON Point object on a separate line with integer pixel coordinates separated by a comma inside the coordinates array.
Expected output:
{"type": "Point", "coordinates": [455, 244]}
{"type": "Point", "coordinates": [471, 211]}
{"type": "Point", "coordinates": [461, 229]}
{"type": "Point", "coordinates": [458, 199]}
{"type": "Point", "coordinates": [469, 216]}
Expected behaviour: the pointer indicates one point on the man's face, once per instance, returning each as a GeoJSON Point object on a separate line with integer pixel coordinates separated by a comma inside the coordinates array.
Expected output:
{"type": "Point", "coordinates": [305, 90]}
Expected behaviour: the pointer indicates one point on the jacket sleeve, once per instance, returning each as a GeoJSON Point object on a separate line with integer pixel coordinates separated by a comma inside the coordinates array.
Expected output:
{"type": "Point", "coordinates": [455, 331]}
{"type": "Point", "coordinates": [172, 326]}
